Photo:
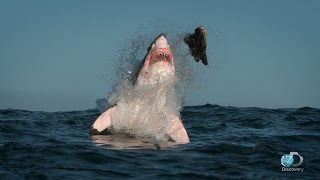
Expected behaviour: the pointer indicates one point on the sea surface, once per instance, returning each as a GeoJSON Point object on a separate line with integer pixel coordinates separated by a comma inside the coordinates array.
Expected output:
{"type": "Point", "coordinates": [226, 143]}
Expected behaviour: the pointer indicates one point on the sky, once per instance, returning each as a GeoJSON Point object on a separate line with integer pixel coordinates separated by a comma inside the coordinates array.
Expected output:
{"type": "Point", "coordinates": [60, 55]}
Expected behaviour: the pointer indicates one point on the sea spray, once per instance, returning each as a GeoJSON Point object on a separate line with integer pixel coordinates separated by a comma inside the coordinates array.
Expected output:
{"type": "Point", "coordinates": [147, 110]}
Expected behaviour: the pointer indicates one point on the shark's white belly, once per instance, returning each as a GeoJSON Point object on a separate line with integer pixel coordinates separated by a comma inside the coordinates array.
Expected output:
{"type": "Point", "coordinates": [145, 111]}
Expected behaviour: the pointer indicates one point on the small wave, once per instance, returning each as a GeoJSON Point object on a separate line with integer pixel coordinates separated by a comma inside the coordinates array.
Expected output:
{"type": "Point", "coordinates": [247, 141]}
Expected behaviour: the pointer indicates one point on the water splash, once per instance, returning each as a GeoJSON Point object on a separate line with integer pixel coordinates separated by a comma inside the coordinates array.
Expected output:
{"type": "Point", "coordinates": [148, 110]}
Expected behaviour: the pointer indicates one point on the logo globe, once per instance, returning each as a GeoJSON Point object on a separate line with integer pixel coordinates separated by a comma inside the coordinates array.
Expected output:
{"type": "Point", "coordinates": [287, 160]}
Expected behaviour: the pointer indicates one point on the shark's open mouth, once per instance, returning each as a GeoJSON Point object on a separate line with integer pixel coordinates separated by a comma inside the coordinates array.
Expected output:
{"type": "Point", "coordinates": [161, 55]}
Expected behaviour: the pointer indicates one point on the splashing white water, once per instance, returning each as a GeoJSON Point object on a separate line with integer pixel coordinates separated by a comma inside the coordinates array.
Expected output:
{"type": "Point", "coordinates": [147, 110]}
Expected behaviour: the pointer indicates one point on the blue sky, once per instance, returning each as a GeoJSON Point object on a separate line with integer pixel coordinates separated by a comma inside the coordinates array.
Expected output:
{"type": "Point", "coordinates": [61, 55]}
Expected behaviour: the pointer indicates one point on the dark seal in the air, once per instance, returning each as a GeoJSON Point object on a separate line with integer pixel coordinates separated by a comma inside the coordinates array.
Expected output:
{"type": "Point", "coordinates": [197, 44]}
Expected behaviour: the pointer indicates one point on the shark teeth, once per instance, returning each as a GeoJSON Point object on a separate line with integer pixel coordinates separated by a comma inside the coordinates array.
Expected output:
{"type": "Point", "coordinates": [163, 57]}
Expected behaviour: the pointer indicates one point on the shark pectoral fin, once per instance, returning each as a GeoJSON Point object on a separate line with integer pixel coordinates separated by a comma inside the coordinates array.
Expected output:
{"type": "Point", "coordinates": [102, 122]}
{"type": "Point", "coordinates": [177, 131]}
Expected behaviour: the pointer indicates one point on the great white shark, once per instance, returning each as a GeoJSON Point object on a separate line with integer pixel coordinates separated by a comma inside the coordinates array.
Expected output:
{"type": "Point", "coordinates": [156, 74]}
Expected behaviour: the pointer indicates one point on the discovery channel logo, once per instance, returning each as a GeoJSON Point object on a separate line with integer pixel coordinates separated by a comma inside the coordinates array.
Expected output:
{"type": "Point", "coordinates": [287, 161]}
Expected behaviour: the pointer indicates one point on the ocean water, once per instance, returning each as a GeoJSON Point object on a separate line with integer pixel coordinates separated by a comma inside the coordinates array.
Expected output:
{"type": "Point", "coordinates": [226, 143]}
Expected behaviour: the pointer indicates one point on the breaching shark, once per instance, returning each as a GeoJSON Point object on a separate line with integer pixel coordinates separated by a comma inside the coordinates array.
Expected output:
{"type": "Point", "coordinates": [154, 75]}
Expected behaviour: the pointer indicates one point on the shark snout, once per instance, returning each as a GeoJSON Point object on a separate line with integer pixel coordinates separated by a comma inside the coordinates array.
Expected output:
{"type": "Point", "coordinates": [159, 42]}
{"type": "Point", "coordinates": [162, 42]}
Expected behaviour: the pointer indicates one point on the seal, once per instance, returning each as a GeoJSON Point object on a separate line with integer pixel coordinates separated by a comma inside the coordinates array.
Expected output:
{"type": "Point", "coordinates": [197, 44]}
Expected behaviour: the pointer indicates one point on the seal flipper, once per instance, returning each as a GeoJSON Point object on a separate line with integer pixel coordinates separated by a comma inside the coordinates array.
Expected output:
{"type": "Point", "coordinates": [190, 41]}
{"type": "Point", "coordinates": [204, 59]}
